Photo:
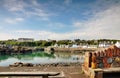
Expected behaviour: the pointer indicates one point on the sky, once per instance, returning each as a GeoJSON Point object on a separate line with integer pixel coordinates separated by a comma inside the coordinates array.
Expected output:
{"type": "Point", "coordinates": [59, 19]}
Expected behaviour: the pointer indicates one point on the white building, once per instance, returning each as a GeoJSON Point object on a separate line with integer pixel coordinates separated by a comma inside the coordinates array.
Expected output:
{"type": "Point", "coordinates": [104, 45]}
{"type": "Point", "coordinates": [25, 39]}
{"type": "Point", "coordinates": [118, 44]}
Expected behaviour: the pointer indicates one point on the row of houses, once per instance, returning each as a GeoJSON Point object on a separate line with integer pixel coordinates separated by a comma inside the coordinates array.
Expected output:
{"type": "Point", "coordinates": [100, 45]}
{"type": "Point", "coordinates": [25, 39]}
{"type": "Point", "coordinates": [103, 44]}
{"type": "Point", "coordinates": [22, 40]}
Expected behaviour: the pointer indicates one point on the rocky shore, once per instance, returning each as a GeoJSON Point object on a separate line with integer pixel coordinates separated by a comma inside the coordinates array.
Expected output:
{"type": "Point", "coordinates": [18, 50]}
{"type": "Point", "coordinates": [20, 64]}
{"type": "Point", "coordinates": [75, 50]}
{"type": "Point", "coordinates": [70, 70]}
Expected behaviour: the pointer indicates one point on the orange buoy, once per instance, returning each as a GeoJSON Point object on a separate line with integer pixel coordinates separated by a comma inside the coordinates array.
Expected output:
{"type": "Point", "coordinates": [94, 65]}
{"type": "Point", "coordinates": [94, 61]}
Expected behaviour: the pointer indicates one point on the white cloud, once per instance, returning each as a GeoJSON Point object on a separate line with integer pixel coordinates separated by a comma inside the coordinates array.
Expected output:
{"type": "Point", "coordinates": [34, 2]}
{"type": "Point", "coordinates": [14, 20]}
{"type": "Point", "coordinates": [105, 24]}
{"type": "Point", "coordinates": [1, 27]}
{"type": "Point", "coordinates": [77, 24]}
{"type": "Point", "coordinates": [20, 8]}
{"type": "Point", "coordinates": [67, 2]}
{"type": "Point", "coordinates": [14, 5]}
{"type": "Point", "coordinates": [56, 25]}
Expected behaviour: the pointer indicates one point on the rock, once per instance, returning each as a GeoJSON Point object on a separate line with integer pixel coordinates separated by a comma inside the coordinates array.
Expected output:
{"type": "Point", "coordinates": [18, 63]}
{"type": "Point", "coordinates": [13, 65]}
{"type": "Point", "coordinates": [28, 64]}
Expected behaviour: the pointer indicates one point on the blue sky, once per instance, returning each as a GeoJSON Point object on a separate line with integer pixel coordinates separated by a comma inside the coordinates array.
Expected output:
{"type": "Point", "coordinates": [59, 19]}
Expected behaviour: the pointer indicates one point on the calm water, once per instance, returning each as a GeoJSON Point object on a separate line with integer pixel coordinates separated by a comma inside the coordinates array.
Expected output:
{"type": "Point", "coordinates": [41, 58]}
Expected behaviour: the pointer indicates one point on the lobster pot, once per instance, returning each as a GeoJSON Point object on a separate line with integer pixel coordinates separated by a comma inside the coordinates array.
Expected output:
{"type": "Point", "coordinates": [97, 57]}
{"type": "Point", "coordinates": [110, 53]}
{"type": "Point", "coordinates": [94, 61]}
{"type": "Point", "coordinates": [100, 65]}
{"type": "Point", "coordinates": [105, 62]}
{"type": "Point", "coordinates": [109, 60]}
{"type": "Point", "coordinates": [115, 52]}
{"type": "Point", "coordinates": [118, 53]}
{"type": "Point", "coordinates": [101, 54]}
{"type": "Point", "coordinates": [94, 57]}
{"type": "Point", "coordinates": [98, 54]}
{"type": "Point", "coordinates": [94, 65]}
{"type": "Point", "coordinates": [105, 54]}
{"type": "Point", "coordinates": [107, 65]}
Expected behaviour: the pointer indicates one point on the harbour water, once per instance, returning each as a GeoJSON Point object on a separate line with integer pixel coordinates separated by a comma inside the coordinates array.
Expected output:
{"type": "Point", "coordinates": [41, 58]}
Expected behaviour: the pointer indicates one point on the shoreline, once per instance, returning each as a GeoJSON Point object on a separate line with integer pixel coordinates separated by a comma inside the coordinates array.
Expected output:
{"type": "Point", "coordinates": [72, 71]}
{"type": "Point", "coordinates": [20, 64]}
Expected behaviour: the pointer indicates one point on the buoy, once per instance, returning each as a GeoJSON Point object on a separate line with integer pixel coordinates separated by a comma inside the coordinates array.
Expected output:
{"type": "Point", "coordinates": [100, 65]}
{"type": "Point", "coordinates": [94, 65]}
{"type": "Point", "coordinates": [109, 60]}
{"type": "Point", "coordinates": [94, 61]}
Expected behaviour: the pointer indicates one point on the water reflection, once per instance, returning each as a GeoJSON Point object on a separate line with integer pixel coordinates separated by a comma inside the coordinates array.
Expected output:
{"type": "Point", "coordinates": [40, 57]}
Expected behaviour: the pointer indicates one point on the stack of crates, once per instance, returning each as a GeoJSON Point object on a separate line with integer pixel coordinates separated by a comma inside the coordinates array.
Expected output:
{"type": "Point", "coordinates": [102, 59]}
